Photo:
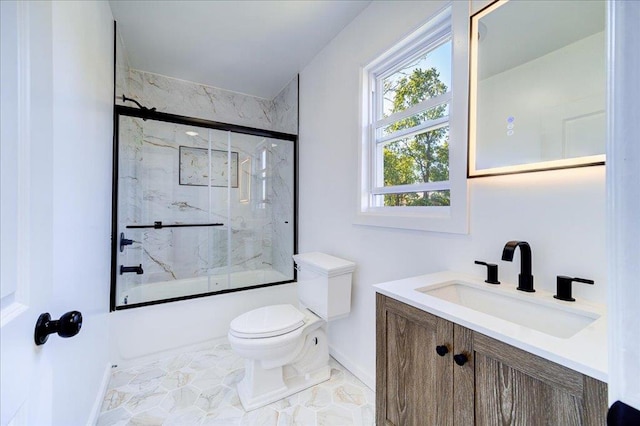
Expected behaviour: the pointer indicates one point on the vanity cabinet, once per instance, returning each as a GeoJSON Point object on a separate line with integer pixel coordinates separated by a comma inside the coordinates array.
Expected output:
{"type": "Point", "coordinates": [471, 378]}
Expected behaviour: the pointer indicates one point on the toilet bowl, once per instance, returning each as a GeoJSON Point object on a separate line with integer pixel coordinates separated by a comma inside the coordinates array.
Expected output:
{"type": "Point", "coordinates": [279, 361]}
{"type": "Point", "coordinates": [285, 348]}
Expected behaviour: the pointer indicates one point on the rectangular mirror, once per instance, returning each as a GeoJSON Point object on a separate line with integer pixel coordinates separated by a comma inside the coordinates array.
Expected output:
{"type": "Point", "coordinates": [537, 86]}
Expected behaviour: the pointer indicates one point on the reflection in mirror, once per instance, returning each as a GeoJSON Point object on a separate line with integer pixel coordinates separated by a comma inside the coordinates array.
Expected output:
{"type": "Point", "coordinates": [538, 84]}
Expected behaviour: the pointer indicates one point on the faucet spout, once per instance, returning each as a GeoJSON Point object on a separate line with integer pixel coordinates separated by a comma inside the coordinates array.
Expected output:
{"type": "Point", "coordinates": [525, 279]}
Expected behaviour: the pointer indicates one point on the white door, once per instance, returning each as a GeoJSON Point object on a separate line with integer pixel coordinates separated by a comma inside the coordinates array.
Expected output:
{"type": "Point", "coordinates": [25, 228]}
{"type": "Point", "coordinates": [56, 124]}
{"type": "Point", "coordinates": [623, 196]}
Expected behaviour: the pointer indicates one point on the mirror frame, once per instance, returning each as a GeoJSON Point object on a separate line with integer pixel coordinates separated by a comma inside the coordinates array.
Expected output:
{"type": "Point", "coordinates": [472, 171]}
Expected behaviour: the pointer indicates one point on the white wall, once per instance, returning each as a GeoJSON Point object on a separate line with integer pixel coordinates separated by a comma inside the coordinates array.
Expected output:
{"type": "Point", "coordinates": [82, 40]}
{"type": "Point", "coordinates": [560, 213]}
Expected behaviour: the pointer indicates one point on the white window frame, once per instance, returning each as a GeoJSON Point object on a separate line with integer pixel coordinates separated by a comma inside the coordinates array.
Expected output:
{"type": "Point", "coordinates": [449, 23]}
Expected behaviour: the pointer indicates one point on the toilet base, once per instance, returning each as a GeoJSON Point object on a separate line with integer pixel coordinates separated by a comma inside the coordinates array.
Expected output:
{"type": "Point", "coordinates": [289, 387]}
{"type": "Point", "coordinates": [262, 386]}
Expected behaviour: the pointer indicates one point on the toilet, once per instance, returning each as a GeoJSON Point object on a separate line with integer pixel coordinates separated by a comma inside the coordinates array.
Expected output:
{"type": "Point", "coordinates": [285, 347]}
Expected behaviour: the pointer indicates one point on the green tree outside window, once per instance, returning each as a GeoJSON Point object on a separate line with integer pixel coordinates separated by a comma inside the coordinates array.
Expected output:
{"type": "Point", "coordinates": [423, 157]}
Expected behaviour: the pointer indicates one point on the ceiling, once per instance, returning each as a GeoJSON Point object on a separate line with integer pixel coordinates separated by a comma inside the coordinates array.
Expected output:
{"type": "Point", "coordinates": [250, 47]}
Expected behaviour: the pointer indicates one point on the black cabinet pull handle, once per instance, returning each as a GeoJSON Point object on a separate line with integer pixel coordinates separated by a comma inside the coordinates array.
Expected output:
{"type": "Point", "coordinates": [460, 359]}
{"type": "Point", "coordinates": [442, 350]}
{"type": "Point", "coordinates": [68, 325]}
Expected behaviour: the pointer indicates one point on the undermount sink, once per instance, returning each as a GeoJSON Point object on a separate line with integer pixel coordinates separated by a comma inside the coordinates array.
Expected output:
{"type": "Point", "coordinates": [548, 317]}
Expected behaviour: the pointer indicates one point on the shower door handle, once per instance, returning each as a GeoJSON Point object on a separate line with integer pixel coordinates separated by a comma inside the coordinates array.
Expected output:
{"type": "Point", "coordinates": [160, 225]}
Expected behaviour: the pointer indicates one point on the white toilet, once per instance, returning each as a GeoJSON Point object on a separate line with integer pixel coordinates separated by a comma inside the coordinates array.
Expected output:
{"type": "Point", "coordinates": [285, 348]}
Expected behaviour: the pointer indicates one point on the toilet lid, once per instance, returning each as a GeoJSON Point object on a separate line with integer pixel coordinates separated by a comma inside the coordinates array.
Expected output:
{"type": "Point", "coordinates": [268, 321]}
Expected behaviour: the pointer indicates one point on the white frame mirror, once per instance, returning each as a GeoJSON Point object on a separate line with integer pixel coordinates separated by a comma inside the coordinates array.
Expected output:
{"type": "Point", "coordinates": [537, 90]}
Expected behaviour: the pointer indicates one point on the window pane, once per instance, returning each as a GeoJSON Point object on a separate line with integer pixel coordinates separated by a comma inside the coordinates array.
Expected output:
{"type": "Point", "coordinates": [406, 199]}
{"type": "Point", "coordinates": [416, 119]}
{"type": "Point", "coordinates": [416, 159]}
{"type": "Point", "coordinates": [426, 77]}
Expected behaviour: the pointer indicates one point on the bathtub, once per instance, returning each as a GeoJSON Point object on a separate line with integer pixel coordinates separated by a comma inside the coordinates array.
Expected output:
{"type": "Point", "coordinates": [150, 332]}
{"type": "Point", "coordinates": [178, 288]}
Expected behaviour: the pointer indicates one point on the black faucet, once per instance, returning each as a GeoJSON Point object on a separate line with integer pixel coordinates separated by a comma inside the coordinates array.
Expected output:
{"type": "Point", "coordinates": [525, 279]}
{"type": "Point", "coordinates": [563, 289]}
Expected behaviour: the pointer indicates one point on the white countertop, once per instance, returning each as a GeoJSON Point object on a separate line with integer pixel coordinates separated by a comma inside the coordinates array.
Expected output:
{"type": "Point", "coordinates": [585, 351]}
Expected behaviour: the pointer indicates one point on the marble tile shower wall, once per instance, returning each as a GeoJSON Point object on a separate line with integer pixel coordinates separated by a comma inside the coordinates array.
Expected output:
{"type": "Point", "coordinates": [285, 109]}
{"type": "Point", "coordinates": [181, 97]}
{"type": "Point", "coordinates": [281, 158]}
{"type": "Point", "coordinates": [122, 68]}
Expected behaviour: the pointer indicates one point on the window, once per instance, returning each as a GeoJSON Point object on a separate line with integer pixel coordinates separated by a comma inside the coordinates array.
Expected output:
{"type": "Point", "coordinates": [408, 101]}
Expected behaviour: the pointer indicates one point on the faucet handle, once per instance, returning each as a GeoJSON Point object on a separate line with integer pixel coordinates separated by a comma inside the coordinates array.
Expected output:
{"type": "Point", "coordinates": [492, 272]}
{"type": "Point", "coordinates": [563, 287]}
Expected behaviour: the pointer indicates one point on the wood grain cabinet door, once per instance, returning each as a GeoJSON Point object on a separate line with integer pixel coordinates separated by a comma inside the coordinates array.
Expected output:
{"type": "Point", "coordinates": [514, 387]}
{"type": "Point", "coordinates": [414, 383]}
{"type": "Point", "coordinates": [476, 381]}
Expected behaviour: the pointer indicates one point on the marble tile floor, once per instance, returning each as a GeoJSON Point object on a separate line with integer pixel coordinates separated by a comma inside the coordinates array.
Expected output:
{"type": "Point", "coordinates": [198, 388]}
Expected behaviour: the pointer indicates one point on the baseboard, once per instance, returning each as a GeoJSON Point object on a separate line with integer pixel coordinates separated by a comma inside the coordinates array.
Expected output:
{"type": "Point", "coordinates": [364, 377]}
{"type": "Point", "coordinates": [97, 404]}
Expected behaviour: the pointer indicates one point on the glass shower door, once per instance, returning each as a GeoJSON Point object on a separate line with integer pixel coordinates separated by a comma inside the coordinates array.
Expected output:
{"type": "Point", "coordinates": [171, 211]}
{"type": "Point", "coordinates": [199, 211]}
{"type": "Point", "coordinates": [262, 211]}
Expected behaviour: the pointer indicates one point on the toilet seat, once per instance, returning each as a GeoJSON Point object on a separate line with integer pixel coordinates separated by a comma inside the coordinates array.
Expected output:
{"type": "Point", "coordinates": [267, 321]}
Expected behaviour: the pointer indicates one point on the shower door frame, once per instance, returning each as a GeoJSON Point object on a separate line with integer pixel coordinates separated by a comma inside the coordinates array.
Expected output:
{"type": "Point", "coordinates": [121, 110]}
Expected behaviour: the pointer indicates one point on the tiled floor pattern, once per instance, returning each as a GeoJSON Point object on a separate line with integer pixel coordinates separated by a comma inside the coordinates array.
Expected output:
{"type": "Point", "coordinates": [198, 388]}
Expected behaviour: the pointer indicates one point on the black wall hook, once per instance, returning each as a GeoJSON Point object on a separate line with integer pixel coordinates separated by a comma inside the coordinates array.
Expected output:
{"type": "Point", "coordinates": [68, 325]}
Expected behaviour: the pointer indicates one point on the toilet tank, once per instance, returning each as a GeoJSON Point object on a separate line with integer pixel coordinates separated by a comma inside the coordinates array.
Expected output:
{"type": "Point", "coordinates": [324, 284]}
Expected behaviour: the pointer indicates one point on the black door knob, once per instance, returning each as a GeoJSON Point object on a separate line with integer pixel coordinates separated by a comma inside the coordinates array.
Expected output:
{"type": "Point", "coordinates": [68, 325]}
{"type": "Point", "coordinates": [460, 359]}
{"type": "Point", "coordinates": [442, 350]}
